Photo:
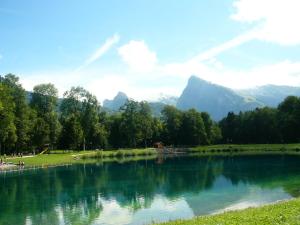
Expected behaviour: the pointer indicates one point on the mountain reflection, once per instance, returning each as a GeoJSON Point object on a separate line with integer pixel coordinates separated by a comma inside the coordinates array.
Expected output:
{"type": "Point", "coordinates": [145, 191]}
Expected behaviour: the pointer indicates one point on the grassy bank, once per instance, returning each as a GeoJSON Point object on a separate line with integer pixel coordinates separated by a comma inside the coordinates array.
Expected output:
{"type": "Point", "coordinates": [280, 213]}
{"type": "Point", "coordinates": [247, 149]}
{"type": "Point", "coordinates": [59, 157]}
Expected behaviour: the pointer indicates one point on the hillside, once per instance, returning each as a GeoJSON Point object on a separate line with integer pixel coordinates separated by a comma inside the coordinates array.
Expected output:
{"type": "Point", "coordinates": [115, 104]}
{"type": "Point", "coordinates": [214, 99]}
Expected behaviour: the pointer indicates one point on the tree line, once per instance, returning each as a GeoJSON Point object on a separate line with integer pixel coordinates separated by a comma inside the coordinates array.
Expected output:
{"type": "Point", "coordinates": [38, 120]}
{"type": "Point", "coordinates": [264, 125]}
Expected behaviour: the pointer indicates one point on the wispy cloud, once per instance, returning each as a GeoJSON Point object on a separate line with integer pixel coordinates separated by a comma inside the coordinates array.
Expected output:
{"type": "Point", "coordinates": [1, 57]}
{"type": "Point", "coordinates": [100, 51]}
{"type": "Point", "coordinates": [235, 42]}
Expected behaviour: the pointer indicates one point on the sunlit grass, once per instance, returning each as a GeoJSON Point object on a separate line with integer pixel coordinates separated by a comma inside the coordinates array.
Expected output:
{"type": "Point", "coordinates": [248, 148]}
{"type": "Point", "coordinates": [280, 213]}
{"type": "Point", "coordinates": [60, 157]}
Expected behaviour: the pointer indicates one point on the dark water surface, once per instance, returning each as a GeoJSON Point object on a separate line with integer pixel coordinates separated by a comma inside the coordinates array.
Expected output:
{"type": "Point", "coordinates": [144, 192]}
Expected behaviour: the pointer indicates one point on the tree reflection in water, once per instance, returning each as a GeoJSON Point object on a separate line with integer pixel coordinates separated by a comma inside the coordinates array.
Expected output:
{"type": "Point", "coordinates": [88, 194]}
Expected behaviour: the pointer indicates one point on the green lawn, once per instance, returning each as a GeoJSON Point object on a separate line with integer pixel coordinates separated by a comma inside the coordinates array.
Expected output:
{"type": "Point", "coordinates": [248, 148]}
{"type": "Point", "coordinates": [281, 213]}
{"type": "Point", "coordinates": [59, 157]}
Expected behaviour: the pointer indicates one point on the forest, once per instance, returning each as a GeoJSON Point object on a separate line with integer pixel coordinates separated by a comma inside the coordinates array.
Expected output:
{"type": "Point", "coordinates": [40, 119]}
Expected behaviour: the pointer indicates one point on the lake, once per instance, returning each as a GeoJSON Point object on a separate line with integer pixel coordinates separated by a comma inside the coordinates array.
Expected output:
{"type": "Point", "coordinates": [143, 192]}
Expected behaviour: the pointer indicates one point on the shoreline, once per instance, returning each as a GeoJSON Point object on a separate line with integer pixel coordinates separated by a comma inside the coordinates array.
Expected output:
{"type": "Point", "coordinates": [267, 214]}
{"type": "Point", "coordinates": [60, 157]}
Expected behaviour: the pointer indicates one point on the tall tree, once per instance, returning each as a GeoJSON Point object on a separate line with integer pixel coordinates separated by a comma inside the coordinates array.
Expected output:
{"type": "Point", "coordinates": [289, 119]}
{"type": "Point", "coordinates": [130, 123]}
{"type": "Point", "coordinates": [208, 124]}
{"type": "Point", "coordinates": [8, 135]}
{"type": "Point", "coordinates": [21, 111]}
{"type": "Point", "coordinates": [83, 106]}
{"type": "Point", "coordinates": [116, 135]}
{"type": "Point", "coordinates": [44, 102]}
{"type": "Point", "coordinates": [145, 123]}
{"type": "Point", "coordinates": [193, 129]}
{"type": "Point", "coordinates": [71, 134]}
{"type": "Point", "coordinates": [171, 119]}
{"type": "Point", "coordinates": [229, 126]}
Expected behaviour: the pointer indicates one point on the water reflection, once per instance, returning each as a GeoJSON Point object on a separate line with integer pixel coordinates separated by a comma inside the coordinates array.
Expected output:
{"type": "Point", "coordinates": [145, 191]}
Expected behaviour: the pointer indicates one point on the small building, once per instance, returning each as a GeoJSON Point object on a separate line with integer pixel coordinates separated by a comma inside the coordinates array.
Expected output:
{"type": "Point", "coordinates": [158, 145]}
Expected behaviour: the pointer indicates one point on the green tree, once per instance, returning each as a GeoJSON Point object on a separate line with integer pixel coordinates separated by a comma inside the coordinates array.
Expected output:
{"type": "Point", "coordinates": [157, 130]}
{"type": "Point", "coordinates": [193, 129]}
{"type": "Point", "coordinates": [44, 102]}
{"type": "Point", "coordinates": [130, 123]}
{"type": "Point", "coordinates": [229, 127]}
{"type": "Point", "coordinates": [289, 119]}
{"type": "Point", "coordinates": [71, 134]}
{"type": "Point", "coordinates": [21, 111]}
{"type": "Point", "coordinates": [171, 119]}
{"type": "Point", "coordinates": [83, 106]}
{"type": "Point", "coordinates": [99, 136]}
{"type": "Point", "coordinates": [145, 123]}
{"type": "Point", "coordinates": [8, 135]}
{"type": "Point", "coordinates": [216, 134]}
{"type": "Point", "coordinates": [116, 136]}
{"type": "Point", "coordinates": [208, 124]}
{"type": "Point", "coordinates": [40, 133]}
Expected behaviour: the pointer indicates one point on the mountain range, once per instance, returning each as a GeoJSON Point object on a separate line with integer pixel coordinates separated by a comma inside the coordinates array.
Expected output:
{"type": "Point", "coordinates": [215, 99]}
{"type": "Point", "coordinates": [114, 105]}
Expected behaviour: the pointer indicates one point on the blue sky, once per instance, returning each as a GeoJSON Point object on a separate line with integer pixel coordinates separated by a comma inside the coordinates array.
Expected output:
{"type": "Point", "coordinates": [148, 48]}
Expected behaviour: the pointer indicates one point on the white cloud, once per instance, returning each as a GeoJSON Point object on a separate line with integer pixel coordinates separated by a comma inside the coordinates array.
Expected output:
{"type": "Point", "coordinates": [100, 51]}
{"type": "Point", "coordinates": [277, 20]}
{"type": "Point", "coordinates": [272, 20]}
{"type": "Point", "coordinates": [138, 56]}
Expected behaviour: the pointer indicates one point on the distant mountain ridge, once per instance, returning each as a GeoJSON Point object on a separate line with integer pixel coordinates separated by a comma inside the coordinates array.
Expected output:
{"type": "Point", "coordinates": [119, 100]}
{"type": "Point", "coordinates": [214, 99]}
{"type": "Point", "coordinates": [218, 100]}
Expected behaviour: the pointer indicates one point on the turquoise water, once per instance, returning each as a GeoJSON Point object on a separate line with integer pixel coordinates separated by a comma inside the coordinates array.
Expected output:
{"type": "Point", "coordinates": [144, 192]}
